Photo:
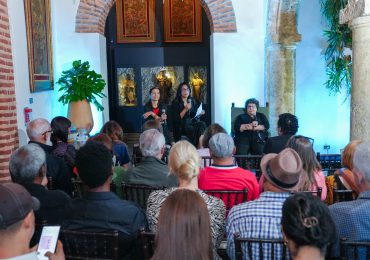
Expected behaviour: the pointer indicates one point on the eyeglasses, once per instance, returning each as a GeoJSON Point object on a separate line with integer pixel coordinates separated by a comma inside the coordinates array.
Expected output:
{"type": "Point", "coordinates": [184, 89]}
{"type": "Point", "coordinates": [49, 131]}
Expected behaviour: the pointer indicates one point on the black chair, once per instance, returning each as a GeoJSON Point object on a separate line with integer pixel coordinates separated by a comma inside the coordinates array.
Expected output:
{"type": "Point", "coordinates": [342, 195]}
{"type": "Point", "coordinates": [229, 197]}
{"type": "Point", "coordinates": [252, 244]}
{"type": "Point", "coordinates": [249, 162]}
{"type": "Point", "coordinates": [80, 188]}
{"type": "Point", "coordinates": [51, 183]}
{"type": "Point", "coordinates": [90, 245]}
{"type": "Point", "coordinates": [138, 193]}
{"type": "Point", "coordinates": [354, 249]}
{"type": "Point", "coordinates": [313, 192]}
{"type": "Point", "coordinates": [147, 243]}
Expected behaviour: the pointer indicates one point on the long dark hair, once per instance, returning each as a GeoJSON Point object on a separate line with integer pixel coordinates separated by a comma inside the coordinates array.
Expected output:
{"type": "Point", "coordinates": [307, 221]}
{"type": "Point", "coordinates": [178, 92]}
{"type": "Point", "coordinates": [60, 126]}
{"type": "Point", "coordinates": [185, 225]}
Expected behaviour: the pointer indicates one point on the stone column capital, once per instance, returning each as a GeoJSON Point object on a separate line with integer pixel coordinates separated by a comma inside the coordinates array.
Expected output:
{"type": "Point", "coordinates": [354, 9]}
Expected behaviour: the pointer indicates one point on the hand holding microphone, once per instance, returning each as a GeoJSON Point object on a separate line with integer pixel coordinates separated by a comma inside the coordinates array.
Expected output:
{"type": "Point", "coordinates": [164, 116]}
{"type": "Point", "coordinates": [188, 105]}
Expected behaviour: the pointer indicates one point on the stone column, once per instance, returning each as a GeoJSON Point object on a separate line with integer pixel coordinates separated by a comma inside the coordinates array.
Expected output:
{"type": "Point", "coordinates": [357, 14]}
{"type": "Point", "coordinates": [280, 76]}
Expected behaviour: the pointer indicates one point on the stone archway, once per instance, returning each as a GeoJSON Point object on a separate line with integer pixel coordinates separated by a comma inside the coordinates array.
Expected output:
{"type": "Point", "coordinates": [92, 14]}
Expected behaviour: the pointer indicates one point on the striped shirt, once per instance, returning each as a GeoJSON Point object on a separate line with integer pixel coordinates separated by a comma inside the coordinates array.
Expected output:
{"type": "Point", "coordinates": [260, 218]}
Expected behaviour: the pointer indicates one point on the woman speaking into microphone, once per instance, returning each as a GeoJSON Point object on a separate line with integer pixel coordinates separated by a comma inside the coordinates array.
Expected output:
{"type": "Point", "coordinates": [250, 129]}
{"type": "Point", "coordinates": [184, 109]}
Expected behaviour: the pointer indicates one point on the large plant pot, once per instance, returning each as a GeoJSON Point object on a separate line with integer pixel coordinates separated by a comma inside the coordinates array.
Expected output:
{"type": "Point", "coordinates": [80, 115]}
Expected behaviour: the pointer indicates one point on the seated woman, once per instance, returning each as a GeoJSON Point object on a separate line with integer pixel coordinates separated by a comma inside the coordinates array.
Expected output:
{"type": "Point", "coordinates": [342, 179]}
{"type": "Point", "coordinates": [115, 132]}
{"type": "Point", "coordinates": [184, 110]}
{"type": "Point", "coordinates": [60, 126]}
{"type": "Point", "coordinates": [250, 129]}
{"type": "Point", "coordinates": [156, 110]}
{"type": "Point", "coordinates": [313, 177]}
{"type": "Point", "coordinates": [184, 164]}
{"type": "Point", "coordinates": [308, 228]}
{"type": "Point", "coordinates": [184, 224]}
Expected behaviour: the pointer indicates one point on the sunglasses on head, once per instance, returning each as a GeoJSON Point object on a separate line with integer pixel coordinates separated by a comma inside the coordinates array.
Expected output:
{"type": "Point", "coordinates": [309, 139]}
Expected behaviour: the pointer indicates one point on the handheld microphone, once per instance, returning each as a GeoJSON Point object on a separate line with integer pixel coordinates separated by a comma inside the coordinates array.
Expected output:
{"type": "Point", "coordinates": [164, 112]}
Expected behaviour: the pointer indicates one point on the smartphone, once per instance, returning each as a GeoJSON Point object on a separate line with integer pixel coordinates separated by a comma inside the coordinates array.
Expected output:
{"type": "Point", "coordinates": [48, 241]}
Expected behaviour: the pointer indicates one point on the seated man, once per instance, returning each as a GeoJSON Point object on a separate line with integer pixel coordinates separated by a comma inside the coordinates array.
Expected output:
{"type": "Point", "coordinates": [99, 209]}
{"type": "Point", "coordinates": [17, 224]}
{"type": "Point", "coordinates": [352, 218]}
{"type": "Point", "coordinates": [261, 218]}
{"type": "Point", "coordinates": [151, 170]}
{"type": "Point", "coordinates": [223, 174]}
{"type": "Point", "coordinates": [28, 168]}
{"type": "Point", "coordinates": [287, 127]}
{"type": "Point", "coordinates": [39, 132]}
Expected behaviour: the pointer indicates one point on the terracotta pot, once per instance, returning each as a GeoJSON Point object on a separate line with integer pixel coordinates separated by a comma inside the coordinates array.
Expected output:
{"type": "Point", "coordinates": [80, 115]}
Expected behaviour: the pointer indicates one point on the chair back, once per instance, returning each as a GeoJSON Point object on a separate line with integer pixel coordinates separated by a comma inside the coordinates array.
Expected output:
{"type": "Point", "coordinates": [354, 249]}
{"type": "Point", "coordinates": [342, 195]}
{"type": "Point", "coordinates": [229, 197]}
{"type": "Point", "coordinates": [249, 162]}
{"type": "Point", "coordinates": [89, 245]}
{"type": "Point", "coordinates": [80, 188]}
{"type": "Point", "coordinates": [51, 183]}
{"type": "Point", "coordinates": [253, 248]}
{"type": "Point", "coordinates": [147, 243]}
{"type": "Point", "coordinates": [313, 192]}
{"type": "Point", "coordinates": [138, 193]}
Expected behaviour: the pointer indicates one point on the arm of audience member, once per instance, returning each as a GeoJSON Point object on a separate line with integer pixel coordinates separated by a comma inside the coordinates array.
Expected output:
{"type": "Point", "coordinates": [59, 253]}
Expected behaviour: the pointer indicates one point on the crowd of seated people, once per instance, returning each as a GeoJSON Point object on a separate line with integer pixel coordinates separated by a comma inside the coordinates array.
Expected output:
{"type": "Point", "coordinates": [274, 209]}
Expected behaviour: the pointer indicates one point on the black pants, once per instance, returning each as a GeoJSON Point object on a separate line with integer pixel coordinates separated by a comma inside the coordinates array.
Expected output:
{"type": "Point", "coordinates": [252, 147]}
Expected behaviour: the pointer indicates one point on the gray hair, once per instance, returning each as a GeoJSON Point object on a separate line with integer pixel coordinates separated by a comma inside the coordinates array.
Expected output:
{"type": "Point", "coordinates": [25, 163]}
{"type": "Point", "coordinates": [221, 145]}
{"type": "Point", "coordinates": [151, 142]}
{"type": "Point", "coordinates": [37, 127]}
{"type": "Point", "coordinates": [361, 159]}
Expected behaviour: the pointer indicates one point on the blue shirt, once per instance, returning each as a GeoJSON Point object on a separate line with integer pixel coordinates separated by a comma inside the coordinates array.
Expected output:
{"type": "Point", "coordinates": [260, 218]}
{"type": "Point", "coordinates": [352, 220]}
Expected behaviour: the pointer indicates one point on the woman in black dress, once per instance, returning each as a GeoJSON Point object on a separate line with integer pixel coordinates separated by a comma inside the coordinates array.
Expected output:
{"type": "Point", "coordinates": [184, 109]}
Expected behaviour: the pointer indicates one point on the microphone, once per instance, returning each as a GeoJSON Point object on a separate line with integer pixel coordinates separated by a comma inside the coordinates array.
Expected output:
{"type": "Point", "coordinates": [189, 102]}
{"type": "Point", "coordinates": [164, 112]}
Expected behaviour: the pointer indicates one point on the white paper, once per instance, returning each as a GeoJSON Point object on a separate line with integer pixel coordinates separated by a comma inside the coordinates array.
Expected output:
{"type": "Point", "coordinates": [199, 111]}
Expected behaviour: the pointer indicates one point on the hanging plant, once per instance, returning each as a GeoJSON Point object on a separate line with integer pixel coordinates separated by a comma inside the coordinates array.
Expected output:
{"type": "Point", "coordinates": [338, 62]}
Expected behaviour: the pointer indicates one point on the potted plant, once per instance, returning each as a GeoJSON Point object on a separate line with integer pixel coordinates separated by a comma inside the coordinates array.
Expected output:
{"type": "Point", "coordinates": [80, 87]}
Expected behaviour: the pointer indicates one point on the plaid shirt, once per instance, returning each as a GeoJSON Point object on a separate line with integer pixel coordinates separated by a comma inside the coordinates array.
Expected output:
{"type": "Point", "coordinates": [260, 218]}
{"type": "Point", "coordinates": [352, 220]}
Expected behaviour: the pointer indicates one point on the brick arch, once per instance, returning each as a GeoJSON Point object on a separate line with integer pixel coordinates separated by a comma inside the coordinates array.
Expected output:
{"type": "Point", "coordinates": [92, 14]}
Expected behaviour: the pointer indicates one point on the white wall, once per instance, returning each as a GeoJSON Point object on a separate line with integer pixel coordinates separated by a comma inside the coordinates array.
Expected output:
{"type": "Point", "coordinates": [67, 46]}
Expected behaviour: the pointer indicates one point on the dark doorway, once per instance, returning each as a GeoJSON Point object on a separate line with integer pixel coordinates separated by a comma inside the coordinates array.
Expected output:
{"type": "Point", "coordinates": [144, 55]}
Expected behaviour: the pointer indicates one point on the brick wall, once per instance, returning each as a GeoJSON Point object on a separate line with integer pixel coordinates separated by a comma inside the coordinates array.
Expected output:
{"type": "Point", "coordinates": [92, 14]}
{"type": "Point", "coordinates": [8, 112]}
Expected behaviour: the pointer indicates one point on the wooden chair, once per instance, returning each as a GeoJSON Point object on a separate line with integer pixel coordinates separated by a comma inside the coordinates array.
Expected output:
{"type": "Point", "coordinates": [229, 197]}
{"type": "Point", "coordinates": [90, 245]}
{"type": "Point", "coordinates": [313, 192]}
{"type": "Point", "coordinates": [147, 244]}
{"type": "Point", "coordinates": [80, 188]}
{"type": "Point", "coordinates": [252, 245]}
{"type": "Point", "coordinates": [354, 249]}
{"type": "Point", "coordinates": [138, 193]}
{"type": "Point", "coordinates": [249, 162]}
{"type": "Point", "coordinates": [342, 195]}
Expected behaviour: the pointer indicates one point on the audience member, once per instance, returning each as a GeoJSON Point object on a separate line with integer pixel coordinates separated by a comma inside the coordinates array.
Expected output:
{"type": "Point", "coordinates": [343, 179]}
{"type": "Point", "coordinates": [115, 132]}
{"type": "Point", "coordinates": [60, 126]}
{"type": "Point", "coordinates": [352, 218]}
{"type": "Point", "coordinates": [250, 129]}
{"type": "Point", "coordinates": [39, 133]}
{"type": "Point", "coordinates": [17, 224]}
{"type": "Point", "coordinates": [151, 170]}
{"type": "Point", "coordinates": [185, 225]}
{"type": "Point", "coordinates": [28, 167]}
{"type": "Point", "coordinates": [261, 218]}
{"type": "Point", "coordinates": [308, 228]}
{"type": "Point", "coordinates": [119, 172]}
{"type": "Point", "coordinates": [99, 209]}
{"type": "Point", "coordinates": [184, 164]}
{"type": "Point", "coordinates": [223, 174]}
{"type": "Point", "coordinates": [313, 178]}
{"type": "Point", "coordinates": [210, 131]}
{"type": "Point", "coordinates": [287, 126]}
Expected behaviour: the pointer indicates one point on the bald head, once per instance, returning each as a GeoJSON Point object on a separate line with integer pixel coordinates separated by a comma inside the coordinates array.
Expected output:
{"type": "Point", "coordinates": [38, 130]}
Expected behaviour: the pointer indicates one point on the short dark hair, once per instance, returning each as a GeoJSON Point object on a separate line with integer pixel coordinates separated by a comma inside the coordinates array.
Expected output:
{"type": "Point", "coordinates": [288, 123]}
{"type": "Point", "coordinates": [252, 101]}
{"type": "Point", "coordinates": [94, 164]}
{"type": "Point", "coordinates": [306, 220]}
{"type": "Point", "coordinates": [210, 131]}
{"type": "Point", "coordinates": [60, 126]}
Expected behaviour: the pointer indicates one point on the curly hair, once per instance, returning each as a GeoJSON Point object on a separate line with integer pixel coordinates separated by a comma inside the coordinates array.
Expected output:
{"type": "Point", "coordinates": [288, 123]}
{"type": "Point", "coordinates": [252, 101]}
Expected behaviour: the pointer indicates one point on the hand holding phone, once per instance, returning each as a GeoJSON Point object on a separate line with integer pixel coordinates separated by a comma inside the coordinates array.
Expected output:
{"type": "Point", "coordinates": [48, 241]}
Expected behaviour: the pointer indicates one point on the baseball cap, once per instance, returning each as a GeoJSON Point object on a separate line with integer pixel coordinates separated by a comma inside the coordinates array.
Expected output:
{"type": "Point", "coordinates": [15, 203]}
